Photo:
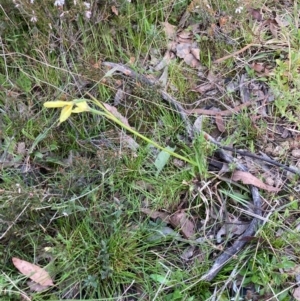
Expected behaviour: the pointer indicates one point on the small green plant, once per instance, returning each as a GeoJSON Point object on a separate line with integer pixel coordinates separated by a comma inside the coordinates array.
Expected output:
{"type": "Point", "coordinates": [81, 105]}
{"type": "Point", "coordinates": [285, 84]}
{"type": "Point", "coordinates": [266, 268]}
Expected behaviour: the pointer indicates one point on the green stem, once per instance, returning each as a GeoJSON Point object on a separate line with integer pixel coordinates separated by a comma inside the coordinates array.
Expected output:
{"type": "Point", "coordinates": [110, 116]}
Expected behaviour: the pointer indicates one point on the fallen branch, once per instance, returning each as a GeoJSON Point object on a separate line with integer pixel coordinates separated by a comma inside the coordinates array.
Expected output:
{"type": "Point", "coordinates": [253, 156]}
{"type": "Point", "coordinates": [238, 245]}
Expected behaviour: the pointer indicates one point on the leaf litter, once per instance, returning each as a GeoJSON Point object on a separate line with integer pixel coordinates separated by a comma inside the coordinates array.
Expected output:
{"type": "Point", "coordinates": [245, 176]}
{"type": "Point", "coordinates": [34, 272]}
{"type": "Point", "coordinates": [178, 220]}
{"type": "Point", "coordinates": [248, 178]}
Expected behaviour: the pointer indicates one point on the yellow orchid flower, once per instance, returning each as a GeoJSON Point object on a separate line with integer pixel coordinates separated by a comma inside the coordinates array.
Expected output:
{"type": "Point", "coordinates": [68, 107]}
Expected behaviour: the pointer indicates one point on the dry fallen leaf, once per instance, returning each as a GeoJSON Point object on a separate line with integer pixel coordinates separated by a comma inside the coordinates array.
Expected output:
{"type": "Point", "coordinates": [233, 227]}
{"type": "Point", "coordinates": [182, 50]}
{"type": "Point", "coordinates": [165, 61]}
{"type": "Point", "coordinates": [115, 10]}
{"type": "Point", "coordinates": [220, 123]}
{"type": "Point", "coordinates": [185, 35]}
{"type": "Point", "coordinates": [21, 148]}
{"type": "Point", "coordinates": [177, 220]}
{"type": "Point", "coordinates": [258, 67]}
{"type": "Point", "coordinates": [164, 216]}
{"type": "Point", "coordinates": [191, 61]}
{"type": "Point", "coordinates": [132, 60]}
{"type": "Point", "coordinates": [33, 271]}
{"type": "Point", "coordinates": [203, 88]}
{"type": "Point", "coordinates": [255, 14]}
{"type": "Point", "coordinates": [248, 178]}
{"type": "Point", "coordinates": [119, 97]}
{"type": "Point", "coordinates": [35, 287]}
{"type": "Point", "coordinates": [128, 141]}
{"type": "Point", "coordinates": [223, 20]}
{"type": "Point", "coordinates": [195, 51]}
{"type": "Point", "coordinates": [296, 293]}
{"type": "Point", "coordinates": [170, 30]}
{"type": "Point", "coordinates": [181, 220]}
{"type": "Point", "coordinates": [273, 26]}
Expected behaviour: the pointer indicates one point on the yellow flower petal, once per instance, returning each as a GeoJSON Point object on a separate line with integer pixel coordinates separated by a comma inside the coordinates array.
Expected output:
{"type": "Point", "coordinates": [65, 113]}
{"type": "Point", "coordinates": [81, 107]}
{"type": "Point", "coordinates": [57, 104]}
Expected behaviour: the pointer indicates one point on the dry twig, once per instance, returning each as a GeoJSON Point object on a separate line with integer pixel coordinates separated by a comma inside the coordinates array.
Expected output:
{"type": "Point", "coordinates": [224, 58]}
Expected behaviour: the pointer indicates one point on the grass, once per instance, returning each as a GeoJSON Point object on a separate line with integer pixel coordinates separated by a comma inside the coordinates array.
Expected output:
{"type": "Point", "coordinates": [72, 197]}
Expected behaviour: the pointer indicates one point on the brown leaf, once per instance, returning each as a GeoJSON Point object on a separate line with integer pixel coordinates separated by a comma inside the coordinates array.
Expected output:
{"type": "Point", "coordinates": [258, 67]}
{"type": "Point", "coordinates": [119, 97]}
{"type": "Point", "coordinates": [296, 293]}
{"type": "Point", "coordinates": [164, 216]}
{"type": "Point", "coordinates": [232, 227]}
{"type": "Point", "coordinates": [248, 178]}
{"type": "Point", "coordinates": [181, 220]}
{"type": "Point", "coordinates": [223, 20]}
{"type": "Point", "coordinates": [132, 60]}
{"type": "Point", "coordinates": [21, 148]}
{"type": "Point", "coordinates": [182, 50]}
{"type": "Point", "coordinates": [191, 61]}
{"type": "Point", "coordinates": [35, 287]}
{"type": "Point", "coordinates": [185, 34]}
{"type": "Point", "coordinates": [220, 123]}
{"type": "Point", "coordinates": [273, 28]}
{"type": "Point", "coordinates": [195, 51]}
{"type": "Point", "coordinates": [281, 22]}
{"type": "Point", "coordinates": [115, 112]}
{"type": "Point", "coordinates": [170, 30]}
{"type": "Point", "coordinates": [165, 61]}
{"type": "Point", "coordinates": [115, 10]}
{"type": "Point", "coordinates": [95, 66]}
{"type": "Point", "coordinates": [203, 88]}
{"type": "Point", "coordinates": [33, 271]}
{"type": "Point", "coordinates": [255, 14]}
{"type": "Point", "coordinates": [128, 141]}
